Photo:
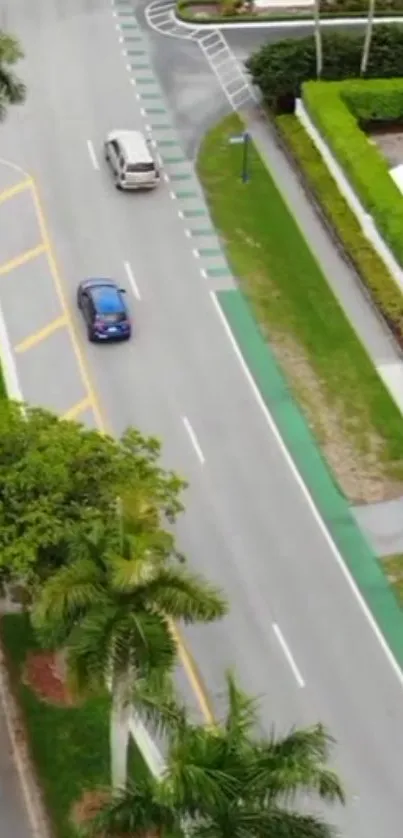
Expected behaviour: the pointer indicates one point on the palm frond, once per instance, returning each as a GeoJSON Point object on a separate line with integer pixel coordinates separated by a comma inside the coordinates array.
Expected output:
{"type": "Point", "coordinates": [155, 701]}
{"type": "Point", "coordinates": [295, 763]}
{"type": "Point", "coordinates": [186, 596]}
{"type": "Point", "coordinates": [280, 823]}
{"type": "Point", "coordinates": [136, 810]}
{"type": "Point", "coordinates": [71, 591]}
{"type": "Point", "coordinates": [112, 643]}
{"type": "Point", "coordinates": [241, 715]}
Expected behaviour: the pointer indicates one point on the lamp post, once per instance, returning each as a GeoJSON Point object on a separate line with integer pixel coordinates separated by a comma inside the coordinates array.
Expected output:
{"type": "Point", "coordinates": [243, 139]}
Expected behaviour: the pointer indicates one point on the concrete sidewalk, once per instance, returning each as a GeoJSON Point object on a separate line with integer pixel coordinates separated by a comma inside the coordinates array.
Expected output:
{"type": "Point", "coordinates": [347, 288]}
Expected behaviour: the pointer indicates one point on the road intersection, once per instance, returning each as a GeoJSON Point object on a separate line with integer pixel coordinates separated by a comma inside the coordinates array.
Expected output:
{"type": "Point", "coordinates": [295, 632]}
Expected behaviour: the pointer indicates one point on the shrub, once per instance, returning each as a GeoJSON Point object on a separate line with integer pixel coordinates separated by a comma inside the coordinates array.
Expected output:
{"type": "Point", "coordinates": [368, 264]}
{"type": "Point", "coordinates": [281, 68]}
{"type": "Point", "coordinates": [380, 100]}
{"type": "Point", "coordinates": [363, 163]}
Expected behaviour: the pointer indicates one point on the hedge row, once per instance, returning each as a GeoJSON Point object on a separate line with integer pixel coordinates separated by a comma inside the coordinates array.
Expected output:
{"type": "Point", "coordinates": [378, 101]}
{"type": "Point", "coordinates": [279, 69]}
{"type": "Point", "coordinates": [229, 11]}
{"type": "Point", "coordinates": [370, 267]}
{"type": "Point", "coordinates": [364, 165]}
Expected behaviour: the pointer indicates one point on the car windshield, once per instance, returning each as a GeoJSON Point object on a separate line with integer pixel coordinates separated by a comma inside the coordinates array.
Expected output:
{"type": "Point", "coordinates": [140, 167]}
{"type": "Point", "coordinates": [108, 304]}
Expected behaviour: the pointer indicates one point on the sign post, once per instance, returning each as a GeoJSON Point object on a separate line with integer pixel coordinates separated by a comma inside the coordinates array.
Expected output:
{"type": "Point", "coordinates": [243, 139]}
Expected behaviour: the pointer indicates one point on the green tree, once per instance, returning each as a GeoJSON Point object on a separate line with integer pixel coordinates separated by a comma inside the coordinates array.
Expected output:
{"type": "Point", "coordinates": [111, 609]}
{"type": "Point", "coordinates": [57, 478]}
{"type": "Point", "coordinates": [12, 90]}
{"type": "Point", "coordinates": [224, 782]}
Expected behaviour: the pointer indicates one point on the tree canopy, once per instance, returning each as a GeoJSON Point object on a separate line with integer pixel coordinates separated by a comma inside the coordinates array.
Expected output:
{"type": "Point", "coordinates": [58, 478]}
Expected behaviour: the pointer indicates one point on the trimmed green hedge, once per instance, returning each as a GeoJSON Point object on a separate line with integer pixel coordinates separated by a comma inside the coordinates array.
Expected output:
{"type": "Point", "coordinates": [368, 264]}
{"type": "Point", "coordinates": [364, 165]}
{"type": "Point", "coordinates": [279, 69]}
{"type": "Point", "coordinates": [341, 8]}
{"type": "Point", "coordinates": [380, 100]}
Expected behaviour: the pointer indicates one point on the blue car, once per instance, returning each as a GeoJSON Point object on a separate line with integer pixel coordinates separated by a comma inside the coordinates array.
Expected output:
{"type": "Point", "coordinates": [104, 310]}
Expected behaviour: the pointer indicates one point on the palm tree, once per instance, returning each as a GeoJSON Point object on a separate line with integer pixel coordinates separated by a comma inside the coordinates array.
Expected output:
{"type": "Point", "coordinates": [110, 610]}
{"type": "Point", "coordinates": [12, 90]}
{"type": "Point", "coordinates": [318, 39]}
{"type": "Point", "coordinates": [138, 810]}
{"type": "Point", "coordinates": [368, 37]}
{"type": "Point", "coordinates": [224, 782]}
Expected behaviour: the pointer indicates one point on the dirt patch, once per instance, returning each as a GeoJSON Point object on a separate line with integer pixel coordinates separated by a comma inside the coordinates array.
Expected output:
{"type": "Point", "coordinates": [358, 472]}
{"type": "Point", "coordinates": [45, 674]}
{"type": "Point", "coordinates": [88, 806]}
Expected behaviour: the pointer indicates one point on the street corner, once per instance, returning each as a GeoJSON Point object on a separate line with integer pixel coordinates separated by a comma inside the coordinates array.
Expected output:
{"type": "Point", "coordinates": [48, 372]}
{"type": "Point", "coordinates": [20, 232]}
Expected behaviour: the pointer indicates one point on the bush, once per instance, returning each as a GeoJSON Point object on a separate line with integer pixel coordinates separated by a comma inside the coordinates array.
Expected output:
{"type": "Point", "coordinates": [378, 101]}
{"type": "Point", "coordinates": [368, 264]}
{"type": "Point", "coordinates": [363, 163]}
{"type": "Point", "coordinates": [281, 68]}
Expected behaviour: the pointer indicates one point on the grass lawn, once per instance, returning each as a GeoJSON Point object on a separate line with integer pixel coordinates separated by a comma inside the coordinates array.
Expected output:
{"type": "Point", "coordinates": [327, 366]}
{"type": "Point", "coordinates": [69, 747]}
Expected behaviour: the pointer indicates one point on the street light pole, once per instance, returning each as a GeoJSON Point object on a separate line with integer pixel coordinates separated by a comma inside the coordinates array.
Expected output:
{"type": "Point", "coordinates": [245, 170]}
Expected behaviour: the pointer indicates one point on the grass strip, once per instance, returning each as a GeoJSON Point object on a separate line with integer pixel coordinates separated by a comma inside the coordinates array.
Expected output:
{"type": "Point", "coordinates": [289, 294]}
{"type": "Point", "coordinates": [69, 746]}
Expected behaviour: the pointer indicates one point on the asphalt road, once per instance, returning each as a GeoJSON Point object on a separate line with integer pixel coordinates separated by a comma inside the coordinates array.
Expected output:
{"type": "Point", "coordinates": [248, 525]}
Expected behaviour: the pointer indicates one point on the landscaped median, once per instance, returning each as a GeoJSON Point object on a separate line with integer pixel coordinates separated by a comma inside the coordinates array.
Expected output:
{"type": "Point", "coordinates": [369, 265]}
{"type": "Point", "coordinates": [337, 109]}
{"type": "Point", "coordinates": [237, 11]}
{"type": "Point", "coordinates": [68, 742]}
{"type": "Point", "coordinates": [354, 418]}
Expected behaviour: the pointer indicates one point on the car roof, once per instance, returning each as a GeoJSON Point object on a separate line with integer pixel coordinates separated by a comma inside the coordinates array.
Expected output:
{"type": "Point", "coordinates": [135, 144]}
{"type": "Point", "coordinates": [107, 299]}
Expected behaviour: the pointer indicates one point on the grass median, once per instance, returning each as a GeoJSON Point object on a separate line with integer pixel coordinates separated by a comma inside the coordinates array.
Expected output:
{"type": "Point", "coordinates": [351, 412]}
{"type": "Point", "coordinates": [69, 745]}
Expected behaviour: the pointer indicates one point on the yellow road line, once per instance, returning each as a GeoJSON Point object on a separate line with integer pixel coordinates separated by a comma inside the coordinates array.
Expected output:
{"type": "Point", "coordinates": [22, 259]}
{"type": "Point", "coordinates": [187, 660]}
{"type": "Point", "coordinates": [78, 408]}
{"type": "Point", "coordinates": [60, 291]}
{"type": "Point", "coordinates": [41, 334]}
{"type": "Point", "coordinates": [192, 671]}
{"type": "Point", "coordinates": [14, 190]}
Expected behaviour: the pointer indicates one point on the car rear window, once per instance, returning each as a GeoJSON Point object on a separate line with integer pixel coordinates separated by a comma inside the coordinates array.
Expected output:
{"type": "Point", "coordinates": [108, 304]}
{"type": "Point", "coordinates": [141, 167]}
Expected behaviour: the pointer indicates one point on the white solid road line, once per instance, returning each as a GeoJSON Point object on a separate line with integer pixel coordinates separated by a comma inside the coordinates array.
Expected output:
{"type": "Point", "coordinates": [288, 654]}
{"type": "Point", "coordinates": [93, 156]}
{"type": "Point", "coordinates": [319, 520]}
{"type": "Point", "coordinates": [132, 281]}
{"type": "Point", "coordinates": [193, 439]}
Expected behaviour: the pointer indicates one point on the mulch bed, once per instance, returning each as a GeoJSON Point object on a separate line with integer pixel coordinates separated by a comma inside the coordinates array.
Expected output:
{"type": "Point", "coordinates": [44, 674]}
